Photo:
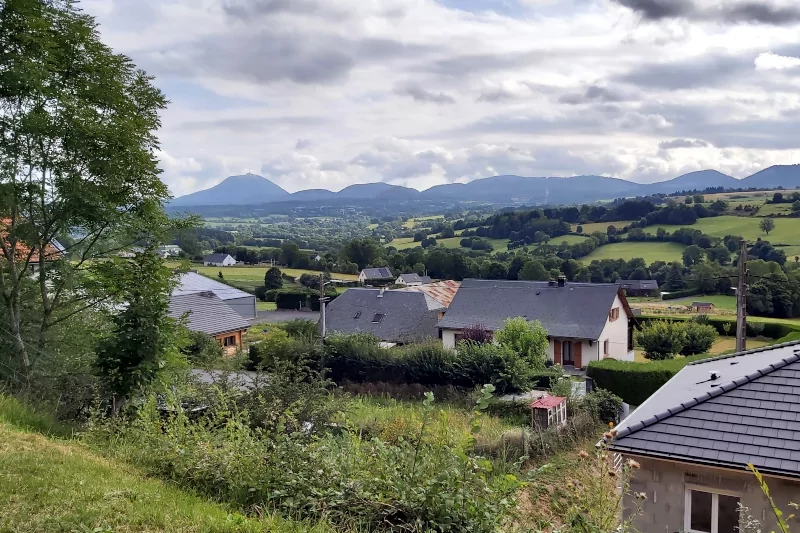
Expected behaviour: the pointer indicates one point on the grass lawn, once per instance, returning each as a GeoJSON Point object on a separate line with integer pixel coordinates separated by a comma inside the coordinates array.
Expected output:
{"type": "Point", "coordinates": [256, 273]}
{"type": "Point", "coordinates": [569, 239]}
{"type": "Point", "coordinates": [58, 485]}
{"type": "Point", "coordinates": [649, 251]}
{"type": "Point", "coordinates": [787, 230]}
{"type": "Point", "coordinates": [265, 306]}
{"type": "Point", "coordinates": [404, 243]}
{"type": "Point", "coordinates": [601, 226]}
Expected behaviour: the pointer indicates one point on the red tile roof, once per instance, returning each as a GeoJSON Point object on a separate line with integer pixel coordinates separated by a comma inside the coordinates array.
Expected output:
{"type": "Point", "coordinates": [441, 291]}
{"type": "Point", "coordinates": [548, 402]}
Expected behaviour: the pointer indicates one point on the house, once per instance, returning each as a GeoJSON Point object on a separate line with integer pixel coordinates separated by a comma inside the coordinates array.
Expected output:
{"type": "Point", "coordinates": [169, 250]}
{"type": "Point", "coordinates": [219, 260]}
{"type": "Point", "coordinates": [397, 317]}
{"type": "Point", "coordinates": [441, 291]}
{"type": "Point", "coordinates": [585, 321]}
{"type": "Point", "coordinates": [412, 280]}
{"type": "Point", "coordinates": [694, 438]}
{"type": "Point", "coordinates": [703, 307]}
{"type": "Point", "coordinates": [53, 251]}
{"type": "Point", "coordinates": [207, 313]}
{"type": "Point", "coordinates": [242, 302]}
{"type": "Point", "coordinates": [376, 275]}
{"type": "Point", "coordinates": [639, 287]}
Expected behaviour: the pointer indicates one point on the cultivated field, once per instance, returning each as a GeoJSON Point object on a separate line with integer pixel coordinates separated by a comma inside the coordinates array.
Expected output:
{"type": "Point", "coordinates": [649, 251]}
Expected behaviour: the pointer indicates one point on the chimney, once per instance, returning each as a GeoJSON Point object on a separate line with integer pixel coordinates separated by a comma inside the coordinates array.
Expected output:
{"type": "Point", "coordinates": [562, 280]}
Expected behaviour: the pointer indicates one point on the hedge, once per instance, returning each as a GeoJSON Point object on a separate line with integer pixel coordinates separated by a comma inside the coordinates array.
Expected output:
{"type": "Point", "coordinates": [680, 294]}
{"type": "Point", "coordinates": [773, 330]}
{"type": "Point", "coordinates": [291, 298]}
{"type": "Point", "coordinates": [635, 382]}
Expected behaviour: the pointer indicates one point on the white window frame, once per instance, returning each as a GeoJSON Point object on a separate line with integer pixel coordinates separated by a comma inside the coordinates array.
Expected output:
{"type": "Point", "coordinates": [715, 494]}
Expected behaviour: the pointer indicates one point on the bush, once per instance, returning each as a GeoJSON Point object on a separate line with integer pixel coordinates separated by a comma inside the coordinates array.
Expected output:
{"type": "Point", "coordinates": [274, 345]}
{"type": "Point", "coordinates": [202, 349]}
{"type": "Point", "coordinates": [526, 339]}
{"type": "Point", "coordinates": [603, 405]}
{"type": "Point", "coordinates": [301, 329]}
{"type": "Point", "coordinates": [261, 293]}
{"type": "Point", "coordinates": [291, 298]}
{"type": "Point", "coordinates": [635, 382]}
{"type": "Point", "coordinates": [661, 339]}
{"type": "Point", "coordinates": [699, 337]}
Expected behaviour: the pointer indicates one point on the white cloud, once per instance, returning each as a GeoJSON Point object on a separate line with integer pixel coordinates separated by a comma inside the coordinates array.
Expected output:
{"type": "Point", "coordinates": [770, 61]}
{"type": "Point", "coordinates": [325, 93]}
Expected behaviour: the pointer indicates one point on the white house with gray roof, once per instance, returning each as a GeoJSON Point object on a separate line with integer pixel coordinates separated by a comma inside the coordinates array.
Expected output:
{"type": "Point", "coordinates": [219, 260]}
{"type": "Point", "coordinates": [695, 437]}
{"type": "Point", "coordinates": [412, 280]}
{"type": "Point", "coordinates": [585, 321]}
{"type": "Point", "coordinates": [376, 275]}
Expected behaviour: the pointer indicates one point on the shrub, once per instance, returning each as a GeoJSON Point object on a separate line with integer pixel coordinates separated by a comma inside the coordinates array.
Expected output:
{"type": "Point", "coordinates": [201, 349]}
{"type": "Point", "coordinates": [476, 333]}
{"type": "Point", "coordinates": [275, 345]}
{"type": "Point", "coordinates": [699, 337]}
{"type": "Point", "coordinates": [603, 405]}
{"type": "Point", "coordinates": [291, 298]}
{"type": "Point", "coordinates": [301, 329]}
{"type": "Point", "coordinates": [261, 293]}
{"type": "Point", "coordinates": [661, 339]}
{"type": "Point", "coordinates": [526, 339]}
{"type": "Point", "coordinates": [491, 363]}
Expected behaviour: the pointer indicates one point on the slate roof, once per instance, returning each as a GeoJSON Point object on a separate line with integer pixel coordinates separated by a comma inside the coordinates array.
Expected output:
{"type": "Point", "coordinates": [748, 415]}
{"type": "Point", "coordinates": [441, 291]}
{"type": "Point", "coordinates": [702, 304]}
{"type": "Point", "coordinates": [215, 258]}
{"type": "Point", "coordinates": [208, 313]}
{"type": "Point", "coordinates": [192, 282]}
{"type": "Point", "coordinates": [409, 316]}
{"type": "Point", "coordinates": [378, 273]}
{"type": "Point", "coordinates": [638, 284]}
{"type": "Point", "coordinates": [415, 278]}
{"type": "Point", "coordinates": [576, 310]}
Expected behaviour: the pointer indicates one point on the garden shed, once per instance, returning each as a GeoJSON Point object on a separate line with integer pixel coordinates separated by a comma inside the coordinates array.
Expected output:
{"type": "Point", "coordinates": [549, 411]}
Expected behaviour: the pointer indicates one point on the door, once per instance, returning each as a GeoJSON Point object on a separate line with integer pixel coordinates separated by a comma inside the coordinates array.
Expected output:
{"type": "Point", "coordinates": [566, 353]}
{"type": "Point", "coordinates": [557, 352]}
{"type": "Point", "coordinates": [577, 352]}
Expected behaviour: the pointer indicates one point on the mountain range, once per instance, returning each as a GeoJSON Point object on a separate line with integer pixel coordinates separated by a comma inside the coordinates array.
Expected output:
{"type": "Point", "coordinates": [251, 189]}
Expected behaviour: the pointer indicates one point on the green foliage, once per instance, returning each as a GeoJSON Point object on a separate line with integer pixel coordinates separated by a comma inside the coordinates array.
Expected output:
{"type": "Point", "coordinates": [201, 348]}
{"type": "Point", "coordinates": [272, 279]}
{"type": "Point", "coordinates": [430, 482]}
{"type": "Point", "coordinates": [603, 405]}
{"type": "Point", "coordinates": [699, 337]}
{"type": "Point", "coordinates": [291, 298]}
{"type": "Point", "coordinates": [143, 337]}
{"type": "Point", "coordinates": [767, 224]}
{"type": "Point", "coordinates": [273, 346]}
{"type": "Point", "coordinates": [301, 329]}
{"type": "Point", "coordinates": [661, 339]}
{"type": "Point", "coordinates": [534, 270]}
{"type": "Point", "coordinates": [526, 339]}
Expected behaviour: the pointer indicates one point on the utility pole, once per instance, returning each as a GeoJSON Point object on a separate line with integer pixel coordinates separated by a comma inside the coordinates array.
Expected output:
{"type": "Point", "coordinates": [322, 301]}
{"type": "Point", "coordinates": [741, 300]}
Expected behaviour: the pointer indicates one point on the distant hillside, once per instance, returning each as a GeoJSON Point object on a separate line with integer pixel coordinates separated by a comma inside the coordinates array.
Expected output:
{"type": "Point", "coordinates": [775, 176]}
{"type": "Point", "coordinates": [311, 195]}
{"type": "Point", "coordinates": [247, 189]}
{"type": "Point", "coordinates": [377, 190]}
{"type": "Point", "coordinates": [695, 180]}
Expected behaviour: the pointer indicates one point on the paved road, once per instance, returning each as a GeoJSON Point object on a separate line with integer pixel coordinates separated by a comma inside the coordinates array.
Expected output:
{"type": "Point", "coordinates": [271, 317]}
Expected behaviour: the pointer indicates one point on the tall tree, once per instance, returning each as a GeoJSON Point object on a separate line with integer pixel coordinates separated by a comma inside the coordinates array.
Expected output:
{"type": "Point", "coordinates": [363, 251]}
{"type": "Point", "coordinates": [272, 279]}
{"type": "Point", "coordinates": [767, 224]}
{"type": "Point", "coordinates": [77, 155]}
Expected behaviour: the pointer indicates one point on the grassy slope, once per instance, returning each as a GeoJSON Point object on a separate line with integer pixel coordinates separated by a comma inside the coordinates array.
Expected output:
{"type": "Point", "coordinates": [787, 230]}
{"type": "Point", "coordinates": [256, 273]}
{"type": "Point", "coordinates": [649, 251]}
{"type": "Point", "coordinates": [601, 226]}
{"type": "Point", "coordinates": [57, 485]}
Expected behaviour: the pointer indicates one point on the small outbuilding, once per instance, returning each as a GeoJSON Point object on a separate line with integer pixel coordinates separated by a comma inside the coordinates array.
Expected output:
{"type": "Point", "coordinates": [703, 307]}
{"type": "Point", "coordinates": [549, 411]}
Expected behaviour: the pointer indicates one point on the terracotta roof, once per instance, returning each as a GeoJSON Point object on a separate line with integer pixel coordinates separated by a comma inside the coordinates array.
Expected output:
{"type": "Point", "coordinates": [548, 402]}
{"type": "Point", "coordinates": [52, 252]}
{"type": "Point", "coordinates": [441, 291]}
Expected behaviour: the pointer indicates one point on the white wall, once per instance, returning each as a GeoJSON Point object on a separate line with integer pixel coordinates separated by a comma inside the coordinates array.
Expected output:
{"type": "Point", "coordinates": [449, 338]}
{"type": "Point", "coordinates": [616, 333]}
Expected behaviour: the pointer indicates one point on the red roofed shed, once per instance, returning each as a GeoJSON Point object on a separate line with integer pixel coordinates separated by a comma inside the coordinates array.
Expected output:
{"type": "Point", "coordinates": [549, 411]}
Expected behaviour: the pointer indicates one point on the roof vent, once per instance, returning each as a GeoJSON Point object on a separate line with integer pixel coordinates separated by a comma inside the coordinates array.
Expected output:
{"type": "Point", "coordinates": [714, 375]}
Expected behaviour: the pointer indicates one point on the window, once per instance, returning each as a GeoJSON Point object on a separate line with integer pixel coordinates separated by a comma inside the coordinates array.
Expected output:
{"type": "Point", "coordinates": [606, 346]}
{"type": "Point", "coordinates": [358, 314]}
{"type": "Point", "coordinates": [614, 314]}
{"type": "Point", "coordinates": [229, 341]}
{"type": "Point", "coordinates": [710, 512]}
{"type": "Point", "coordinates": [377, 318]}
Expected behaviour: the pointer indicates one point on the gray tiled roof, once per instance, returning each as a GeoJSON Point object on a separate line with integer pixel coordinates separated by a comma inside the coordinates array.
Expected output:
{"type": "Point", "coordinates": [748, 415]}
{"type": "Point", "coordinates": [415, 278]}
{"type": "Point", "coordinates": [576, 310]}
{"type": "Point", "coordinates": [638, 284]}
{"type": "Point", "coordinates": [192, 282]}
{"type": "Point", "coordinates": [215, 258]}
{"type": "Point", "coordinates": [408, 316]}
{"type": "Point", "coordinates": [208, 313]}
{"type": "Point", "coordinates": [378, 273]}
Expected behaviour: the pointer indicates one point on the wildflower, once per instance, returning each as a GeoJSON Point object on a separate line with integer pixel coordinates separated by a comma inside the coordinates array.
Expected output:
{"type": "Point", "coordinates": [633, 464]}
{"type": "Point", "coordinates": [611, 425]}
{"type": "Point", "coordinates": [583, 454]}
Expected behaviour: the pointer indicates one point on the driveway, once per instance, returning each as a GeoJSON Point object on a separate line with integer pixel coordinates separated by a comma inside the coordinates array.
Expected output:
{"type": "Point", "coordinates": [271, 317]}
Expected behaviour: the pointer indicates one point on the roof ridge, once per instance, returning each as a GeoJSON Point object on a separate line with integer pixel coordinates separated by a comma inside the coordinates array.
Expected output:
{"type": "Point", "coordinates": [719, 390]}
{"type": "Point", "coordinates": [745, 352]}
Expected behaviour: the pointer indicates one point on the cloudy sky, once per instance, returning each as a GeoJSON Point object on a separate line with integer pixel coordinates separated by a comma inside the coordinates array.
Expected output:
{"type": "Point", "coordinates": [326, 93]}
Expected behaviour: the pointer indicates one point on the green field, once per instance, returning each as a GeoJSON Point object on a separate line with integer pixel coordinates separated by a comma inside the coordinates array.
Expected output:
{"type": "Point", "coordinates": [371, 226]}
{"type": "Point", "coordinates": [649, 251]}
{"type": "Point", "coordinates": [602, 227]}
{"type": "Point", "coordinates": [256, 273]}
{"type": "Point", "coordinates": [727, 303]}
{"type": "Point", "coordinates": [412, 222]}
{"type": "Point", "coordinates": [455, 242]}
{"type": "Point", "coordinates": [787, 230]}
{"type": "Point", "coordinates": [569, 239]}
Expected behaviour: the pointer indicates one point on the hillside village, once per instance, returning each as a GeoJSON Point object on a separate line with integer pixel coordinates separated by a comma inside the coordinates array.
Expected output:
{"type": "Point", "coordinates": [492, 354]}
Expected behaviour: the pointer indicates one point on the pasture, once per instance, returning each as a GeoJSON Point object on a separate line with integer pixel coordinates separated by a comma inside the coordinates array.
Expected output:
{"type": "Point", "coordinates": [452, 242]}
{"type": "Point", "coordinates": [254, 275]}
{"type": "Point", "coordinates": [649, 251]}
{"type": "Point", "coordinates": [787, 230]}
{"type": "Point", "coordinates": [602, 227]}
{"type": "Point", "coordinates": [411, 223]}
